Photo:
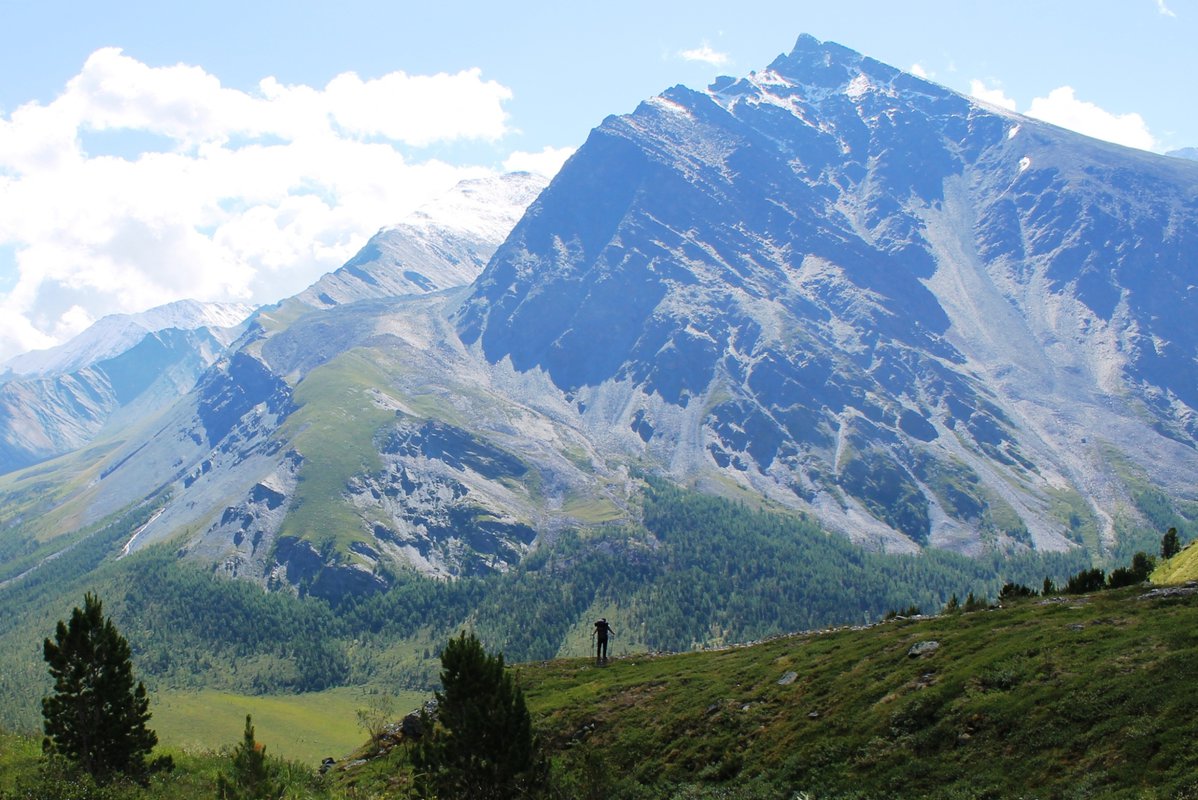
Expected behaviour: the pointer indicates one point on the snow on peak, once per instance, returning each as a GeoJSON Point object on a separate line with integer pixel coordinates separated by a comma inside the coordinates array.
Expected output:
{"type": "Point", "coordinates": [858, 86]}
{"type": "Point", "coordinates": [484, 207]}
{"type": "Point", "coordinates": [770, 77]}
{"type": "Point", "coordinates": [114, 334]}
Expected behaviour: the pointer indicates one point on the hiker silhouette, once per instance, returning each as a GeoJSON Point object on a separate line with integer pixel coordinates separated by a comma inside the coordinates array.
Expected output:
{"type": "Point", "coordinates": [600, 634]}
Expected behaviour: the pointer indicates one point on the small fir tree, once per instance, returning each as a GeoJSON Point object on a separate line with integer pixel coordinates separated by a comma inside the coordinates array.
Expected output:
{"type": "Point", "coordinates": [1142, 565]}
{"type": "Point", "coordinates": [975, 604]}
{"type": "Point", "coordinates": [483, 745]}
{"type": "Point", "coordinates": [251, 776]}
{"type": "Point", "coordinates": [1170, 544]}
{"type": "Point", "coordinates": [96, 717]}
{"type": "Point", "coordinates": [1015, 591]}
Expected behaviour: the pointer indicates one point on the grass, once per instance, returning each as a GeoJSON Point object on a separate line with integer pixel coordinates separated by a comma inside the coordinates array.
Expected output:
{"type": "Point", "coordinates": [302, 727]}
{"type": "Point", "coordinates": [1061, 697]}
{"type": "Point", "coordinates": [1072, 510]}
{"type": "Point", "coordinates": [1179, 569]}
{"type": "Point", "coordinates": [1081, 696]}
{"type": "Point", "coordinates": [593, 510]}
{"type": "Point", "coordinates": [334, 429]}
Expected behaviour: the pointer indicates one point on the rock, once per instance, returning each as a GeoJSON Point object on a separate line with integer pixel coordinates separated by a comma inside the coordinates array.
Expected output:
{"type": "Point", "coordinates": [412, 725]}
{"type": "Point", "coordinates": [788, 679]}
{"type": "Point", "coordinates": [1170, 591]}
{"type": "Point", "coordinates": [922, 649]}
{"type": "Point", "coordinates": [327, 764]}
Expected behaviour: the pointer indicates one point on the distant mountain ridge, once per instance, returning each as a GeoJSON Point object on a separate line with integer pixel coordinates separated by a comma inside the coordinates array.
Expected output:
{"type": "Point", "coordinates": [828, 286]}
{"type": "Point", "coordinates": [112, 335]}
{"type": "Point", "coordinates": [443, 244]}
{"type": "Point", "coordinates": [122, 369]}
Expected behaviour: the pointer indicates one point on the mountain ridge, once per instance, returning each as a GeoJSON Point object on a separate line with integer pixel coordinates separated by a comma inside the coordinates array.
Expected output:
{"type": "Point", "coordinates": [828, 286]}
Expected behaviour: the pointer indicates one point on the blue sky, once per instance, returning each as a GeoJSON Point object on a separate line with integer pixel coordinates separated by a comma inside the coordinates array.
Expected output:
{"type": "Point", "coordinates": [236, 151]}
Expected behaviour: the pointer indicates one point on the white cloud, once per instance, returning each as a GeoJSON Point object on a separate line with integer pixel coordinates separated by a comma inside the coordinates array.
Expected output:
{"type": "Point", "coordinates": [547, 162]}
{"type": "Point", "coordinates": [918, 71]}
{"type": "Point", "coordinates": [1062, 107]}
{"type": "Point", "coordinates": [1164, 9]}
{"type": "Point", "coordinates": [706, 55]}
{"type": "Point", "coordinates": [994, 97]}
{"type": "Point", "coordinates": [254, 195]}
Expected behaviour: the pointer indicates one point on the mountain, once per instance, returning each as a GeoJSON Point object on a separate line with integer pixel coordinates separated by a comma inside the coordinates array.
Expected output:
{"type": "Point", "coordinates": [858, 293]}
{"type": "Point", "coordinates": [443, 244]}
{"type": "Point", "coordinates": [828, 287]}
{"type": "Point", "coordinates": [122, 368]}
{"type": "Point", "coordinates": [1186, 152]}
{"type": "Point", "coordinates": [118, 333]}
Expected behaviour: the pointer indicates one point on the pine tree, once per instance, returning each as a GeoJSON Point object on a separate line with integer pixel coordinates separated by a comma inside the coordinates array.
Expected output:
{"type": "Point", "coordinates": [483, 745]}
{"type": "Point", "coordinates": [1170, 545]}
{"type": "Point", "coordinates": [96, 717]}
{"type": "Point", "coordinates": [251, 776]}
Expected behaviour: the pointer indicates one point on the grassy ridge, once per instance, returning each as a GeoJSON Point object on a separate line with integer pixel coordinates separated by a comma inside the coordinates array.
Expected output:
{"type": "Point", "coordinates": [1064, 697]}
{"type": "Point", "coordinates": [334, 429]}
{"type": "Point", "coordinates": [1071, 696]}
{"type": "Point", "coordinates": [1179, 569]}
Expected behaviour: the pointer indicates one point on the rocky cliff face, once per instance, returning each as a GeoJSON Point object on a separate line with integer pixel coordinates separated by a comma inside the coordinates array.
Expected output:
{"type": "Point", "coordinates": [860, 293]}
{"type": "Point", "coordinates": [829, 284]}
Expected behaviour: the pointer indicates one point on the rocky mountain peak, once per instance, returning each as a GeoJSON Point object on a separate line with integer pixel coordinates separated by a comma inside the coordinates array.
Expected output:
{"type": "Point", "coordinates": [444, 244]}
{"type": "Point", "coordinates": [849, 288]}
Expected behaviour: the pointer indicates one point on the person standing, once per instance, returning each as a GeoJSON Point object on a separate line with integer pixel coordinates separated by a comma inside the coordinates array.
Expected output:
{"type": "Point", "coordinates": [600, 634]}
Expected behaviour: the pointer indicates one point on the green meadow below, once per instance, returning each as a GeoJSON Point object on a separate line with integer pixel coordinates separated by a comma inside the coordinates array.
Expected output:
{"type": "Point", "coordinates": [1068, 696]}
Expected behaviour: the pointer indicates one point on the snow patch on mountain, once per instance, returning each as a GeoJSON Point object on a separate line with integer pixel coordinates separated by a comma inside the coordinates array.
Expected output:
{"type": "Point", "coordinates": [444, 244]}
{"type": "Point", "coordinates": [486, 208]}
{"type": "Point", "coordinates": [117, 333]}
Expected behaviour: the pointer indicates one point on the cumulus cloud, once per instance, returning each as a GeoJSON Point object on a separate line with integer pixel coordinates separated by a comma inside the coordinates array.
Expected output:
{"type": "Point", "coordinates": [994, 97]}
{"type": "Point", "coordinates": [1062, 107]}
{"type": "Point", "coordinates": [918, 71]}
{"type": "Point", "coordinates": [705, 54]}
{"type": "Point", "coordinates": [251, 196]}
{"type": "Point", "coordinates": [547, 162]}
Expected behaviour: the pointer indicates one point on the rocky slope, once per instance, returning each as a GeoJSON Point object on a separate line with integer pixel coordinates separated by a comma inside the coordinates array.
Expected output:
{"type": "Point", "coordinates": [830, 285]}
{"type": "Point", "coordinates": [862, 294]}
{"type": "Point", "coordinates": [121, 369]}
{"type": "Point", "coordinates": [444, 244]}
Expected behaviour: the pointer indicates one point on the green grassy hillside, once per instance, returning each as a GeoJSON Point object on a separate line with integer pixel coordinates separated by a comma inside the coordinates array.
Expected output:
{"type": "Point", "coordinates": [700, 571]}
{"type": "Point", "coordinates": [1069, 696]}
{"type": "Point", "coordinates": [1178, 569]}
{"type": "Point", "coordinates": [1063, 697]}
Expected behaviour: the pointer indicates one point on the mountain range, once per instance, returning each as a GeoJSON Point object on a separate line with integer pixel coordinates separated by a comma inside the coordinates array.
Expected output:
{"type": "Point", "coordinates": [57, 400]}
{"type": "Point", "coordinates": [828, 287]}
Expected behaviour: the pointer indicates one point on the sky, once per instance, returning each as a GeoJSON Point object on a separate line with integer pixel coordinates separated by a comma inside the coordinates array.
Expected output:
{"type": "Point", "coordinates": [236, 151]}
